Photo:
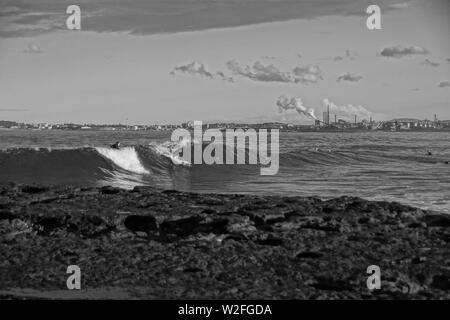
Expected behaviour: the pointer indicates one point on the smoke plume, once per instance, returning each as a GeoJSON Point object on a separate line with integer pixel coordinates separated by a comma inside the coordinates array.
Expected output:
{"type": "Point", "coordinates": [285, 103]}
{"type": "Point", "coordinates": [347, 112]}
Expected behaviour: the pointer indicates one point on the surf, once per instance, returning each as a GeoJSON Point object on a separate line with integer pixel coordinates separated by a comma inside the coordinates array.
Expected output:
{"type": "Point", "coordinates": [126, 158]}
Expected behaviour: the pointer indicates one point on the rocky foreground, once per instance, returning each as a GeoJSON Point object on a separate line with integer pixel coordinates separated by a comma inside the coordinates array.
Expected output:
{"type": "Point", "coordinates": [148, 243]}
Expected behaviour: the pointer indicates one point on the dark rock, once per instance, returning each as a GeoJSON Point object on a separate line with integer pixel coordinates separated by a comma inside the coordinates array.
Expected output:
{"type": "Point", "coordinates": [364, 220]}
{"type": "Point", "coordinates": [34, 189]}
{"type": "Point", "coordinates": [181, 227]}
{"type": "Point", "coordinates": [217, 226]}
{"type": "Point", "coordinates": [235, 237]}
{"type": "Point", "coordinates": [109, 190]}
{"type": "Point", "coordinates": [209, 211]}
{"type": "Point", "coordinates": [415, 225]}
{"type": "Point", "coordinates": [324, 283]}
{"type": "Point", "coordinates": [441, 282]}
{"type": "Point", "coordinates": [418, 260]}
{"type": "Point", "coordinates": [143, 189]}
{"type": "Point", "coordinates": [170, 192]}
{"type": "Point", "coordinates": [6, 215]}
{"type": "Point", "coordinates": [326, 228]}
{"type": "Point", "coordinates": [50, 223]}
{"type": "Point", "coordinates": [436, 220]}
{"type": "Point", "coordinates": [309, 255]}
{"type": "Point", "coordinates": [327, 210]}
{"type": "Point", "coordinates": [192, 270]}
{"type": "Point", "coordinates": [140, 223]}
{"type": "Point", "coordinates": [271, 241]}
{"type": "Point", "coordinates": [225, 246]}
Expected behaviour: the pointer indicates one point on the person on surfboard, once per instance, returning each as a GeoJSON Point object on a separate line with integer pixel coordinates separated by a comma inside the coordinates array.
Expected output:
{"type": "Point", "coordinates": [116, 145]}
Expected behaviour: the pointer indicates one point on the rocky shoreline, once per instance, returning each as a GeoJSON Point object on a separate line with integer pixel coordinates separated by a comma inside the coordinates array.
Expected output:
{"type": "Point", "coordinates": [164, 244]}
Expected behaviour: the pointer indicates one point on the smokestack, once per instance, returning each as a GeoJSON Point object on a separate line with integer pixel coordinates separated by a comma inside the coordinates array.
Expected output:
{"type": "Point", "coordinates": [335, 118]}
{"type": "Point", "coordinates": [355, 118]}
{"type": "Point", "coordinates": [328, 114]}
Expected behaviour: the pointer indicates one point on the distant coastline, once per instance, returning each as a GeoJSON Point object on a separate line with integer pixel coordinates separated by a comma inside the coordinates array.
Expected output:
{"type": "Point", "coordinates": [404, 124]}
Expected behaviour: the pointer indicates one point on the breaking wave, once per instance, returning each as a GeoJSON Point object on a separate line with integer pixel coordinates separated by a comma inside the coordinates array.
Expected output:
{"type": "Point", "coordinates": [158, 165]}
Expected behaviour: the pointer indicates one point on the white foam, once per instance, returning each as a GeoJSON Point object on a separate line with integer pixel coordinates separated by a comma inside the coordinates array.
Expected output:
{"type": "Point", "coordinates": [171, 151]}
{"type": "Point", "coordinates": [126, 158]}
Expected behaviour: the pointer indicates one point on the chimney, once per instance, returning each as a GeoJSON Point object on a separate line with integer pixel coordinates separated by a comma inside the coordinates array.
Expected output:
{"type": "Point", "coordinates": [328, 114]}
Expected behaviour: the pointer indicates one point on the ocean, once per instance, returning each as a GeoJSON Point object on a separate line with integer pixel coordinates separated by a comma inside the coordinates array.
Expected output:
{"type": "Point", "coordinates": [392, 166]}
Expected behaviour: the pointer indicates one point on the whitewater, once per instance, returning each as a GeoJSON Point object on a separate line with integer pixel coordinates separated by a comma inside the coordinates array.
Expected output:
{"type": "Point", "coordinates": [392, 166]}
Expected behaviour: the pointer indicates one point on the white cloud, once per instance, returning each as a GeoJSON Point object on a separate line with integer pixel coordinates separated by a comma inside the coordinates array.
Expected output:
{"type": "Point", "coordinates": [402, 51]}
{"type": "Point", "coordinates": [198, 69]}
{"type": "Point", "coordinates": [350, 77]}
{"type": "Point", "coordinates": [270, 73]}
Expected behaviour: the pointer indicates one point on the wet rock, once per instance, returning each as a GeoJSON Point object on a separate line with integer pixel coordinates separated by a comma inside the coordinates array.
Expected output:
{"type": "Point", "coordinates": [436, 220]}
{"type": "Point", "coordinates": [271, 241]}
{"type": "Point", "coordinates": [418, 260]}
{"type": "Point", "coordinates": [415, 225]}
{"type": "Point", "coordinates": [49, 224]}
{"type": "Point", "coordinates": [441, 282]}
{"type": "Point", "coordinates": [143, 189]}
{"type": "Point", "coordinates": [109, 190]}
{"type": "Point", "coordinates": [140, 223]}
{"type": "Point", "coordinates": [34, 189]}
{"type": "Point", "coordinates": [170, 191]}
{"type": "Point", "coordinates": [6, 215]}
{"type": "Point", "coordinates": [223, 246]}
{"type": "Point", "coordinates": [181, 227]}
{"type": "Point", "coordinates": [309, 255]}
{"type": "Point", "coordinates": [330, 284]}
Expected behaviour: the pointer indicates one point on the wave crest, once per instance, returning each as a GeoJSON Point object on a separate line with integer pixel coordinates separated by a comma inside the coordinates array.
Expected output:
{"type": "Point", "coordinates": [126, 158]}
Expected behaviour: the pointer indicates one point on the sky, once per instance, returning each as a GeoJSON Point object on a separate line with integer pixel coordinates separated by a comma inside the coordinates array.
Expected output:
{"type": "Point", "coordinates": [143, 62]}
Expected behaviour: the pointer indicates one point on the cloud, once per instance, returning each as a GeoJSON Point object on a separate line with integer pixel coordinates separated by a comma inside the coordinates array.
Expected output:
{"type": "Point", "coordinates": [152, 17]}
{"type": "Point", "coordinates": [223, 77]}
{"type": "Point", "coordinates": [350, 77]}
{"type": "Point", "coordinates": [448, 60]}
{"type": "Point", "coordinates": [444, 84]}
{"type": "Point", "coordinates": [260, 72]}
{"type": "Point", "coordinates": [194, 68]}
{"type": "Point", "coordinates": [348, 56]}
{"type": "Point", "coordinates": [347, 112]}
{"type": "Point", "coordinates": [270, 73]}
{"type": "Point", "coordinates": [32, 48]}
{"type": "Point", "coordinates": [307, 75]}
{"type": "Point", "coordinates": [430, 63]}
{"type": "Point", "coordinates": [198, 69]}
{"type": "Point", "coordinates": [402, 51]}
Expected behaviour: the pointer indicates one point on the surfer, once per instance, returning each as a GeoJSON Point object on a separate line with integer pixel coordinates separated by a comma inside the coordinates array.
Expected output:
{"type": "Point", "coordinates": [429, 153]}
{"type": "Point", "coordinates": [116, 145]}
